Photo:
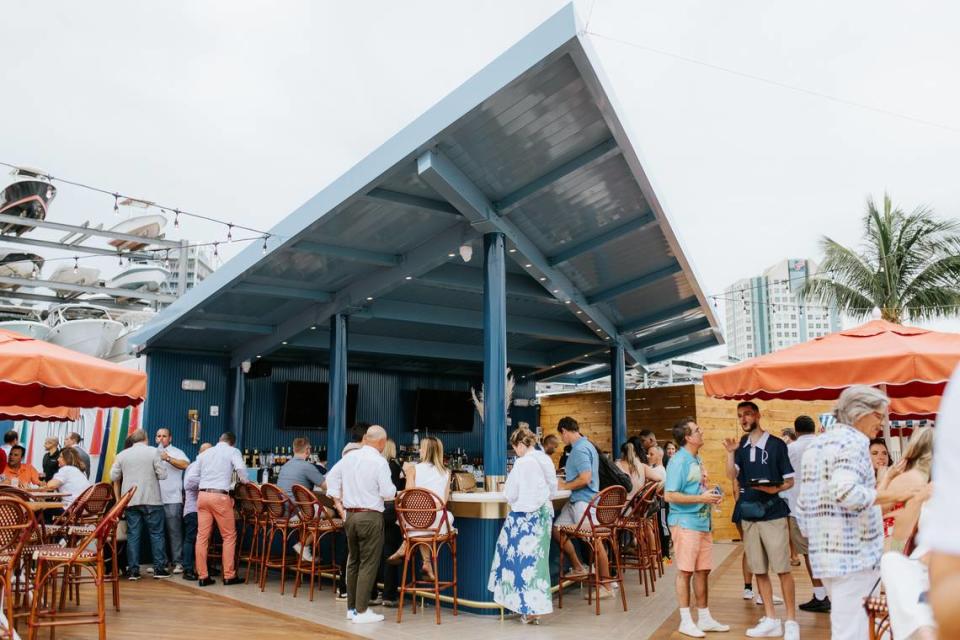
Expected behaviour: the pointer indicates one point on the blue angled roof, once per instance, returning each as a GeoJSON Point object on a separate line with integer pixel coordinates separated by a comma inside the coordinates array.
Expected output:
{"type": "Point", "coordinates": [532, 146]}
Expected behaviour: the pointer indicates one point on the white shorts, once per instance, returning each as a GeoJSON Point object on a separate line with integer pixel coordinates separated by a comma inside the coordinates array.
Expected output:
{"type": "Point", "coordinates": [571, 514]}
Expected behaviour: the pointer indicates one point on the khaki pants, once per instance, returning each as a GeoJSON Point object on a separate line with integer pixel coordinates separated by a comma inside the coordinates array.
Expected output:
{"type": "Point", "coordinates": [364, 531]}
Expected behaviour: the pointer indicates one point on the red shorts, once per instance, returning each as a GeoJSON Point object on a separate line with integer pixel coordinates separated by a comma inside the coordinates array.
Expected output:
{"type": "Point", "coordinates": [693, 549]}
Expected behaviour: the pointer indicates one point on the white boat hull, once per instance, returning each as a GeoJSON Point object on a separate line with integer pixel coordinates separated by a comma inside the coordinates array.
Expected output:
{"type": "Point", "coordinates": [35, 330]}
{"type": "Point", "coordinates": [140, 279]}
{"type": "Point", "coordinates": [92, 337]}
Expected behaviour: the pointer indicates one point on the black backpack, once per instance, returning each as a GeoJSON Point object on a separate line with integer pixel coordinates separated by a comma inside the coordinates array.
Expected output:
{"type": "Point", "coordinates": [611, 475]}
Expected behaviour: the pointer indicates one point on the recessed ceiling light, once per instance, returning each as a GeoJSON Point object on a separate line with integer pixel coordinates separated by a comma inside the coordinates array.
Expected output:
{"type": "Point", "coordinates": [259, 356]}
{"type": "Point", "coordinates": [556, 290]}
{"type": "Point", "coordinates": [528, 266]}
{"type": "Point", "coordinates": [566, 302]}
{"type": "Point", "coordinates": [284, 342]}
{"type": "Point", "coordinates": [451, 255]}
{"type": "Point", "coordinates": [409, 278]}
{"type": "Point", "coordinates": [579, 311]}
{"type": "Point", "coordinates": [606, 337]}
{"type": "Point", "coordinates": [369, 299]}
{"type": "Point", "coordinates": [314, 327]}
{"type": "Point", "coordinates": [542, 278]}
{"type": "Point", "coordinates": [513, 250]}
{"type": "Point", "coordinates": [589, 321]}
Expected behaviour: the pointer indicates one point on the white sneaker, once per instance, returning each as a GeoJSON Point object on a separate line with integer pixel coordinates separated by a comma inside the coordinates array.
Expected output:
{"type": "Point", "coordinates": [748, 594]}
{"type": "Point", "coordinates": [776, 599]}
{"type": "Point", "coordinates": [690, 629]}
{"type": "Point", "coordinates": [351, 614]}
{"type": "Point", "coordinates": [767, 628]}
{"type": "Point", "coordinates": [367, 616]}
{"type": "Point", "coordinates": [791, 630]}
{"type": "Point", "coordinates": [303, 552]}
{"type": "Point", "coordinates": [178, 569]}
{"type": "Point", "coordinates": [709, 624]}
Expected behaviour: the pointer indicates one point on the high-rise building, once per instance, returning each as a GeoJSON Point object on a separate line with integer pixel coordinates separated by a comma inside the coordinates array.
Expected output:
{"type": "Point", "coordinates": [766, 313]}
{"type": "Point", "coordinates": [197, 268]}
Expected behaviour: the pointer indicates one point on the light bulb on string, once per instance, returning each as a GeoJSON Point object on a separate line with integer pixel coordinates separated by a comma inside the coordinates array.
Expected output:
{"type": "Point", "coordinates": [76, 264]}
{"type": "Point", "coordinates": [176, 218]}
{"type": "Point", "coordinates": [120, 258]}
{"type": "Point", "coordinates": [265, 244]}
{"type": "Point", "coordinates": [230, 232]}
{"type": "Point", "coordinates": [116, 204]}
{"type": "Point", "coordinates": [166, 260]}
{"type": "Point", "coordinates": [216, 254]}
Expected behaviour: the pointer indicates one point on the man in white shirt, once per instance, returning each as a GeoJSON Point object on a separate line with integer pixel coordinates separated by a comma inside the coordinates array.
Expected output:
{"type": "Point", "coordinates": [171, 490]}
{"type": "Point", "coordinates": [806, 430]}
{"type": "Point", "coordinates": [943, 517]}
{"type": "Point", "coordinates": [362, 483]}
{"type": "Point", "coordinates": [216, 468]}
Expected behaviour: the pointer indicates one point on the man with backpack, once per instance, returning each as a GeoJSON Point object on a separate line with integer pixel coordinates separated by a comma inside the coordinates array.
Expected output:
{"type": "Point", "coordinates": [582, 479]}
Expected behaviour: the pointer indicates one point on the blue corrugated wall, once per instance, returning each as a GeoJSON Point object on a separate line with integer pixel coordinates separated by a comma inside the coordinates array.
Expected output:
{"type": "Point", "coordinates": [384, 398]}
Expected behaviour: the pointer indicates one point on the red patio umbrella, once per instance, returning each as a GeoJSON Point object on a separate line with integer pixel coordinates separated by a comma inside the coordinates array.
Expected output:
{"type": "Point", "coordinates": [908, 361]}
{"type": "Point", "coordinates": [40, 414]}
{"type": "Point", "coordinates": [37, 373]}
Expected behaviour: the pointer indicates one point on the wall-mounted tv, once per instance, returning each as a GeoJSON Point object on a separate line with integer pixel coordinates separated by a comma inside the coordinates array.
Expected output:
{"type": "Point", "coordinates": [306, 405]}
{"type": "Point", "coordinates": [439, 410]}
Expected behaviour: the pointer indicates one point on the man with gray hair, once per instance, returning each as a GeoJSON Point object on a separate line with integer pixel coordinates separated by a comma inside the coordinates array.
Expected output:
{"type": "Point", "coordinates": [175, 462]}
{"type": "Point", "coordinates": [362, 483]}
{"type": "Point", "coordinates": [141, 466]}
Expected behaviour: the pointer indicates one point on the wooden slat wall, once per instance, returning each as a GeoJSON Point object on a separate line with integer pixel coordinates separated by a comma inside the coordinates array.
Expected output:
{"type": "Point", "coordinates": [659, 409]}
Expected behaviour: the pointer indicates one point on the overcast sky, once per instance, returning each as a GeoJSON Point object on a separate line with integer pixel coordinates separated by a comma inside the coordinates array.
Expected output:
{"type": "Point", "coordinates": [242, 110]}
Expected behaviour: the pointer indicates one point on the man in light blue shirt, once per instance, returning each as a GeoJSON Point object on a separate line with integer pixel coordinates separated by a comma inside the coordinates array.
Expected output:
{"type": "Point", "coordinates": [582, 479]}
{"type": "Point", "coordinates": [690, 527]}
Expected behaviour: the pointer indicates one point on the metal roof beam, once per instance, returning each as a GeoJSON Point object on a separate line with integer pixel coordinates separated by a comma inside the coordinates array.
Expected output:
{"type": "Point", "coordinates": [119, 293]}
{"type": "Point", "coordinates": [672, 332]}
{"type": "Point", "coordinates": [46, 224]}
{"type": "Point", "coordinates": [348, 253]}
{"type": "Point", "coordinates": [469, 319]}
{"type": "Point", "coordinates": [606, 149]}
{"type": "Point", "coordinates": [447, 180]}
{"type": "Point", "coordinates": [688, 347]}
{"type": "Point", "coordinates": [223, 325]}
{"type": "Point", "coordinates": [408, 200]}
{"type": "Point", "coordinates": [281, 292]}
{"type": "Point", "coordinates": [641, 221]}
{"type": "Point", "coordinates": [418, 261]}
{"type": "Point", "coordinates": [79, 248]}
{"type": "Point", "coordinates": [388, 345]}
{"type": "Point", "coordinates": [638, 324]}
{"type": "Point", "coordinates": [632, 285]}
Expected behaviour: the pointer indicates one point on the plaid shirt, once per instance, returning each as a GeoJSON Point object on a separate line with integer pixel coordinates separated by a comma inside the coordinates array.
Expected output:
{"type": "Point", "coordinates": [836, 508]}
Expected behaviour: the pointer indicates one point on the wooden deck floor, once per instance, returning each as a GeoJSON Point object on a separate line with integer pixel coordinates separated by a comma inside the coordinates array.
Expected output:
{"type": "Point", "coordinates": [166, 610]}
{"type": "Point", "coordinates": [728, 606]}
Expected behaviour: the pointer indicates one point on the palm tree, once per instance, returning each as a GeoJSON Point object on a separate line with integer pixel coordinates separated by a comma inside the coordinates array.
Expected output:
{"type": "Point", "coordinates": [908, 267]}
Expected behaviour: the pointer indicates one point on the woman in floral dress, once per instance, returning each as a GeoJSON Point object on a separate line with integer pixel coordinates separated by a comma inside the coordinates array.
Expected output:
{"type": "Point", "coordinates": [520, 575]}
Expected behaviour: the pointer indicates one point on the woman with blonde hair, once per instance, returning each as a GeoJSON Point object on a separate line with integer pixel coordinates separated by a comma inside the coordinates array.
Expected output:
{"type": "Point", "coordinates": [520, 574]}
{"type": "Point", "coordinates": [631, 465]}
{"type": "Point", "coordinates": [71, 479]}
{"type": "Point", "coordinates": [431, 474]}
{"type": "Point", "coordinates": [912, 472]}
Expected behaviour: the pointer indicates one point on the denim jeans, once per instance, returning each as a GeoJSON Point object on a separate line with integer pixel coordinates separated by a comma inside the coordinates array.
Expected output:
{"type": "Point", "coordinates": [189, 541]}
{"type": "Point", "coordinates": [173, 522]}
{"type": "Point", "coordinates": [151, 516]}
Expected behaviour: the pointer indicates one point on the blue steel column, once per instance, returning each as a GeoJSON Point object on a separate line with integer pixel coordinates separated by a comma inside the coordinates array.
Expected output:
{"type": "Point", "coordinates": [618, 398]}
{"type": "Point", "coordinates": [236, 411]}
{"type": "Point", "coordinates": [494, 356]}
{"type": "Point", "coordinates": [337, 418]}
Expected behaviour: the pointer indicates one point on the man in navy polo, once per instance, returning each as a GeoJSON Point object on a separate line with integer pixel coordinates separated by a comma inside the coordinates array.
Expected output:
{"type": "Point", "coordinates": [760, 463]}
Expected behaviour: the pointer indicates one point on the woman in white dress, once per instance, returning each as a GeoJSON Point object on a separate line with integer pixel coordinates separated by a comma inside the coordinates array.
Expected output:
{"type": "Point", "coordinates": [431, 474]}
{"type": "Point", "coordinates": [520, 574]}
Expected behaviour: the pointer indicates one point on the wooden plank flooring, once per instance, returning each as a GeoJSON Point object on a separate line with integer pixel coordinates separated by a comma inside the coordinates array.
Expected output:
{"type": "Point", "coordinates": [166, 610]}
{"type": "Point", "coordinates": [728, 606]}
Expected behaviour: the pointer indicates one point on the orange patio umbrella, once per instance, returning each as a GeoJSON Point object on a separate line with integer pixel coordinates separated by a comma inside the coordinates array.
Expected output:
{"type": "Point", "coordinates": [40, 414]}
{"type": "Point", "coordinates": [914, 408]}
{"type": "Point", "coordinates": [37, 373]}
{"type": "Point", "coordinates": [910, 362]}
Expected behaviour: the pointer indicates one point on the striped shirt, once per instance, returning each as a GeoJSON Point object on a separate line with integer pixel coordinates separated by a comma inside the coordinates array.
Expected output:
{"type": "Point", "coordinates": [835, 508]}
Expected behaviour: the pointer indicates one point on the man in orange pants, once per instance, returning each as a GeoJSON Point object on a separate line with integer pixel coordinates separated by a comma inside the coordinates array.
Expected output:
{"type": "Point", "coordinates": [215, 468]}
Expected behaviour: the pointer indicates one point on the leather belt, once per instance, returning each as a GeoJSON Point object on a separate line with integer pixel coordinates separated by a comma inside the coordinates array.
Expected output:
{"type": "Point", "coordinates": [357, 510]}
{"type": "Point", "coordinates": [215, 491]}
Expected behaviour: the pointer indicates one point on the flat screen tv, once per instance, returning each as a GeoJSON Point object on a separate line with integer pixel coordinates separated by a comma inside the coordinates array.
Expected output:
{"type": "Point", "coordinates": [306, 405]}
{"type": "Point", "coordinates": [439, 410]}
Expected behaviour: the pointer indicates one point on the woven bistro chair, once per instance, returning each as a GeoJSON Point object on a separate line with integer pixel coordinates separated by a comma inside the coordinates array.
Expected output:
{"type": "Point", "coordinates": [250, 505]}
{"type": "Point", "coordinates": [92, 511]}
{"type": "Point", "coordinates": [639, 523]}
{"type": "Point", "coordinates": [596, 528]}
{"type": "Point", "coordinates": [425, 522]}
{"type": "Point", "coordinates": [315, 525]}
{"type": "Point", "coordinates": [17, 526]}
{"type": "Point", "coordinates": [280, 523]}
{"type": "Point", "coordinates": [89, 556]}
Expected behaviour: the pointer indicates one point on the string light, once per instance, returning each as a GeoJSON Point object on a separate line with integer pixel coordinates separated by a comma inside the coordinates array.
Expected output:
{"type": "Point", "coordinates": [230, 232]}
{"type": "Point", "coordinates": [216, 254]}
{"type": "Point", "coordinates": [166, 260]}
{"type": "Point", "coordinates": [116, 204]}
{"type": "Point", "coordinates": [265, 244]}
{"type": "Point", "coordinates": [176, 218]}
{"type": "Point", "coordinates": [120, 256]}
{"type": "Point", "coordinates": [76, 264]}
